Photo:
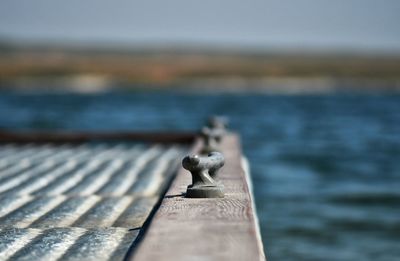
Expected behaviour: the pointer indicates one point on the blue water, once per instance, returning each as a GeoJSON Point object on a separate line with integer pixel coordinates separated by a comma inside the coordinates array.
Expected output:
{"type": "Point", "coordinates": [326, 169]}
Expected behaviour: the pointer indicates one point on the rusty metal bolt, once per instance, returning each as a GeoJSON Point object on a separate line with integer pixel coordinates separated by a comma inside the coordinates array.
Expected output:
{"type": "Point", "coordinates": [204, 171]}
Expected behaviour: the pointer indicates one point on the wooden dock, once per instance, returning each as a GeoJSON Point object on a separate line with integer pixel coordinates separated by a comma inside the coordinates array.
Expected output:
{"type": "Point", "coordinates": [114, 196]}
{"type": "Point", "coordinates": [205, 229]}
{"type": "Point", "coordinates": [86, 201]}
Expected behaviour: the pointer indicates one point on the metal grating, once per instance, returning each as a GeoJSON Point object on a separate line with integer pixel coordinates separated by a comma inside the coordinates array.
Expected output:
{"type": "Point", "coordinates": [79, 202]}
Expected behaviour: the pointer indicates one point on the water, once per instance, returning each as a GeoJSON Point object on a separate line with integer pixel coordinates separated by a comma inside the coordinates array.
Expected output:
{"type": "Point", "coordinates": [326, 169]}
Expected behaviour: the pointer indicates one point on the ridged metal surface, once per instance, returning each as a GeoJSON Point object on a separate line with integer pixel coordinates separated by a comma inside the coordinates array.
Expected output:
{"type": "Point", "coordinates": [81, 202]}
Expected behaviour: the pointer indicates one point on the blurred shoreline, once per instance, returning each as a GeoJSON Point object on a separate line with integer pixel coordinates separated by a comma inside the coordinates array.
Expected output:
{"type": "Point", "coordinates": [96, 70]}
{"type": "Point", "coordinates": [284, 85]}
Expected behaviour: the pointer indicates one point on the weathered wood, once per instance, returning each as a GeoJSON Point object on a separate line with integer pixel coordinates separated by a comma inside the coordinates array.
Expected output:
{"type": "Point", "coordinates": [79, 202]}
{"type": "Point", "coordinates": [205, 229]}
{"type": "Point", "coordinates": [80, 137]}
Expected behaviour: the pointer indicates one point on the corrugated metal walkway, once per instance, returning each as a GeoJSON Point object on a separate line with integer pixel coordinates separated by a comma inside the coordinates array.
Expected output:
{"type": "Point", "coordinates": [79, 202]}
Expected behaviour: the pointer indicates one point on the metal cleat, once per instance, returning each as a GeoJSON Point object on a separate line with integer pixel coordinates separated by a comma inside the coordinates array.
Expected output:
{"type": "Point", "coordinates": [212, 138]}
{"type": "Point", "coordinates": [204, 171]}
{"type": "Point", "coordinates": [217, 122]}
{"type": "Point", "coordinates": [213, 133]}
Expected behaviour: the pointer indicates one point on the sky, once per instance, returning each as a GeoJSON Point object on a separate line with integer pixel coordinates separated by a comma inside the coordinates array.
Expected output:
{"type": "Point", "coordinates": [358, 25]}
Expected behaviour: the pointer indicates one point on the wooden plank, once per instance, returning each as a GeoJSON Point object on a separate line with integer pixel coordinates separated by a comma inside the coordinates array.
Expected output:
{"type": "Point", "coordinates": [80, 137]}
{"type": "Point", "coordinates": [205, 229]}
{"type": "Point", "coordinates": [80, 201]}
